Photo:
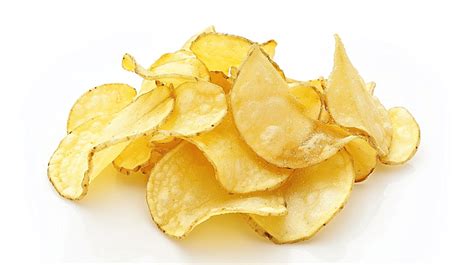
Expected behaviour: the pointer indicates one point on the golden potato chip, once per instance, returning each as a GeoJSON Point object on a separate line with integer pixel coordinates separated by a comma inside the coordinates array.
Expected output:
{"type": "Point", "coordinates": [364, 157]}
{"type": "Point", "coordinates": [134, 156]}
{"type": "Point", "coordinates": [352, 106]}
{"type": "Point", "coordinates": [87, 150]}
{"type": "Point", "coordinates": [406, 137]}
{"type": "Point", "coordinates": [187, 45]}
{"type": "Point", "coordinates": [309, 98]}
{"type": "Point", "coordinates": [104, 99]}
{"type": "Point", "coordinates": [219, 52]}
{"type": "Point", "coordinates": [182, 192]}
{"type": "Point", "coordinates": [272, 122]}
{"type": "Point", "coordinates": [313, 196]}
{"type": "Point", "coordinates": [200, 106]}
{"type": "Point", "coordinates": [238, 168]}
{"type": "Point", "coordinates": [221, 80]}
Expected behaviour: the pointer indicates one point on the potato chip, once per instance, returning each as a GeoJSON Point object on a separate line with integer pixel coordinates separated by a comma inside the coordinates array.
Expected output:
{"type": "Point", "coordinates": [352, 106]}
{"type": "Point", "coordinates": [200, 106]}
{"type": "Point", "coordinates": [87, 150]}
{"type": "Point", "coordinates": [313, 196]}
{"type": "Point", "coordinates": [182, 192]}
{"type": "Point", "coordinates": [134, 156]}
{"type": "Point", "coordinates": [104, 99]}
{"type": "Point", "coordinates": [406, 137]}
{"type": "Point", "coordinates": [364, 157]}
{"type": "Point", "coordinates": [171, 68]}
{"type": "Point", "coordinates": [187, 45]}
{"type": "Point", "coordinates": [221, 80]}
{"type": "Point", "coordinates": [309, 99]}
{"type": "Point", "coordinates": [219, 52]}
{"type": "Point", "coordinates": [238, 168]}
{"type": "Point", "coordinates": [272, 122]}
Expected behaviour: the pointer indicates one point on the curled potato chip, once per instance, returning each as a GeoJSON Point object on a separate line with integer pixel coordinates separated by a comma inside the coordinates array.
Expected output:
{"type": "Point", "coordinates": [406, 137]}
{"type": "Point", "coordinates": [87, 150]}
{"type": "Point", "coordinates": [134, 156]}
{"type": "Point", "coordinates": [352, 106]}
{"type": "Point", "coordinates": [238, 168]}
{"type": "Point", "coordinates": [313, 196]}
{"type": "Point", "coordinates": [200, 106]}
{"type": "Point", "coordinates": [364, 157]}
{"type": "Point", "coordinates": [309, 98]}
{"type": "Point", "coordinates": [171, 68]}
{"type": "Point", "coordinates": [182, 192]}
{"type": "Point", "coordinates": [272, 123]}
{"type": "Point", "coordinates": [104, 99]}
{"type": "Point", "coordinates": [219, 52]}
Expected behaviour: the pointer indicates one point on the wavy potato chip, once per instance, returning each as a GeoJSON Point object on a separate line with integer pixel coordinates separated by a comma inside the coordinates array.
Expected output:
{"type": "Point", "coordinates": [104, 99]}
{"type": "Point", "coordinates": [182, 192]}
{"type": "Point", "coordinates": [219, 52]}
{"type": "Point", "coordinates": [272, 122]}
{"type": "Point", "coordinates": [313, 196]}
{"type": "Point", "coordinates": [200, 106]}
{"type": "Point", "coordinates": [87, 150]}
{"type": "Point", "coordinates": [238, 168]}
{"type": "Point", "coordinates": [134, 156]}
{"type": "Point", "coordinates": [171, 68]}
{"type": "Point", "coordinates": [406, 137]}
{"type": "Point", "coordinates": [352, 106]}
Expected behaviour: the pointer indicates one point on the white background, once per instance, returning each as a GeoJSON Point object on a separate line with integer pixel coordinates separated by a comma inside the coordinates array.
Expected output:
{"type": "Point", "coordinates": [419, 53]}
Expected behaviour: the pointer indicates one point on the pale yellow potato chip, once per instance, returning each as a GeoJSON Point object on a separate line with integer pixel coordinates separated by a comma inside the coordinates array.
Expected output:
{"type": "Point", "coordinates": [406, 137]}
{"type": "Point", "coordinates": [313, 195]}
{"type": "Point", "coordinates": [273, 123]}
{"type": "Point", "coordinates": [182, 192]}
{"type": "Point", "coordinates": [200, 106]}
{"type": "Point", "coordinates": [87, 150]}
{"type": "Point", "coordinates": [134, 156]}
{"type": "Point", "coordinates": [352, 106]}
{"type": "Point", "coordinates": [219, 52]}
{"type": "Point", "coordinates": [238, 168]}
{"type": "Point", "coordinates": [104, 99]}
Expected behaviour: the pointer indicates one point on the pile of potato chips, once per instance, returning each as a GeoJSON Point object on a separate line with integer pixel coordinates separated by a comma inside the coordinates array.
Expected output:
{"type": "Point", "coordinates": [218, 128]}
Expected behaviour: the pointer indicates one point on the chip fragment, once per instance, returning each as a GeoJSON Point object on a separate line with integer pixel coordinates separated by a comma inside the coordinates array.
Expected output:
{"type": "Point", "coordinates": [182, 192]}
{"type": "Point", "coordinates": [351, 105]}
{"type": "Point", "coordinates": [238, 168]}
{"type": "Point", "coordinates": [406, 137]}
{"type": "Point", "coordinates": [87, 150]}
{"type": "Point", "coordinates": [313, 196]}
{"type": "Point", "coordinates": [271, 121]}
{"type": "Point", "coordinates": [104, 99]}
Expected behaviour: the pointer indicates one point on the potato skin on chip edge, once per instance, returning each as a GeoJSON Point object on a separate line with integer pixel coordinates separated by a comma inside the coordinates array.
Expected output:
{"type": "Point", "coordinates": [200, 197]}
{"type": "Point", "coordinates": [76, 178]}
